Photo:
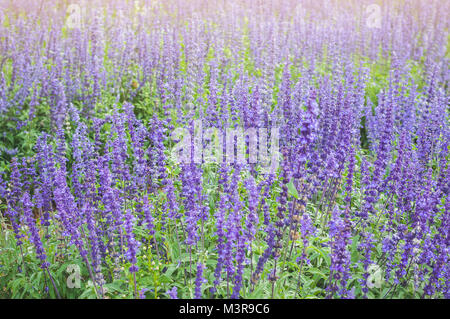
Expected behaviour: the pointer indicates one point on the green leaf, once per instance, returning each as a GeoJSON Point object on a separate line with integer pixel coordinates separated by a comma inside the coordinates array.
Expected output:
{"type": "Point", "coordinates": [292, 190]}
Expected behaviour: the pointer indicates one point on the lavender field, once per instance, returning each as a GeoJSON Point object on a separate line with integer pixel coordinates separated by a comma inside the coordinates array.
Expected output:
{"type": "Point", "coordinates": [289, 149]}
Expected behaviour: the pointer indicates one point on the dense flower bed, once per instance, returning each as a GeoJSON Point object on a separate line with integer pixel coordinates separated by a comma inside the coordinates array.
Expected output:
{"type": "Point", "coordinates": [348, 99]}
